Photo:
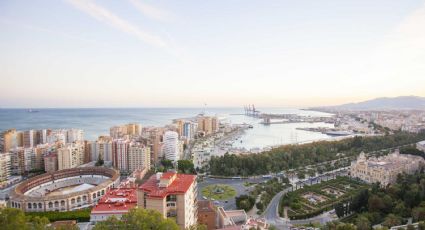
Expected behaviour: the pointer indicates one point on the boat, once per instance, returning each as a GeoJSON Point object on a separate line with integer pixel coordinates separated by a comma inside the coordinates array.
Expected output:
{"type": "Point", "coordinates": [338, 133]}
{"type": "Point", "coordinates": [32, 111]}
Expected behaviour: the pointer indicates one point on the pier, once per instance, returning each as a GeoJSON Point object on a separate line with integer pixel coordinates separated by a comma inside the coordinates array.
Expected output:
{"type": "Point", "coordinates": [269, 118]}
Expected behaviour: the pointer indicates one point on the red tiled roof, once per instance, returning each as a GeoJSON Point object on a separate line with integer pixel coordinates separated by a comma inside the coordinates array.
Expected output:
{"type": "Point", "coordinates": [119, 200]}
{"type": "Point", "coordinates": [180, 185]}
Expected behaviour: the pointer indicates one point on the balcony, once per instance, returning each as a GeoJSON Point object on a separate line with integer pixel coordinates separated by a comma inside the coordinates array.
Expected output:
{"type": "Point", "coordinates": [171, 204]}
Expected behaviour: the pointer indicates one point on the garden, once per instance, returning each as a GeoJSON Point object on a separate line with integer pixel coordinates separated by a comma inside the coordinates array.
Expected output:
{"type": "Point", "coordinates": [313, 200]}
{"type": "Point", "coordinates": [218, 192]}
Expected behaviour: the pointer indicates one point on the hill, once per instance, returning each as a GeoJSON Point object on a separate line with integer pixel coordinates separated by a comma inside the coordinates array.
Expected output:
{"type": "Point", "coordinates": [383, 103]}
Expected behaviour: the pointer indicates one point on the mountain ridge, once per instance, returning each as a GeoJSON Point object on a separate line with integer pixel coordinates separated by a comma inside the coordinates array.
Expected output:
{"type": "Point", "coordinates": [382, 103]}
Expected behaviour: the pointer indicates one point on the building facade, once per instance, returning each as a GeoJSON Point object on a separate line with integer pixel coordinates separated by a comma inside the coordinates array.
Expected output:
{"type": "Point", "coordinates": [386, 168]}
{"type": "Point", "coordinates": [171, 194]}
{"type": "Point", "coordinates": [5, 169]}
{"type": "Point", "coordinates": [70, 156]}
{"type": "Point", "coordinates": [171, 149]}
{"type": "Point", "coordinates": [421, 146]}
{"type": "Point", "coordinates": [8, 140]}
{"type": "Point", "coordinates": [139, 157]}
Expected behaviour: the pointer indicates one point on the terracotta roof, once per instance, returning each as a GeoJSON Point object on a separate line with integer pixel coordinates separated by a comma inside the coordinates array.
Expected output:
{"type": "Point", "coordinates": [179, 185]}
{"type": "Point", "coordinates": [205, 206]}
{"type": "Point", "coordinates": [119, 200]}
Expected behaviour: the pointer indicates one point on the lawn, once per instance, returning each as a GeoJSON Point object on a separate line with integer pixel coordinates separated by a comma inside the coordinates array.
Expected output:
{"type": "Point", "coordinates": [219, 192]}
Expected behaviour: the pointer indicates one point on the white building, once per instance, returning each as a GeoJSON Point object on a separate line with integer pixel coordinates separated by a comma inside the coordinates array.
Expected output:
{"type": "Point", "coordinates": [102, 149]}
{"type": "Point", "coordinates": [59, 135]}
{"type": "Point", "coordinates": [5, 169]}
{"type": "Point", "coordinates": [171, 147]}
{"type": "Point", "coordinates": [385, 169]}
{"type": "Point", "coordinates": [29, 159]}
{"type": "Point", "coordinates": [70, 156]}
{"type": "Point", "coordinates": [421, 146]}
{"type": "Point", "coordinates": [74, 135]}
{"type": "Point", "coordinates": [120, 154]}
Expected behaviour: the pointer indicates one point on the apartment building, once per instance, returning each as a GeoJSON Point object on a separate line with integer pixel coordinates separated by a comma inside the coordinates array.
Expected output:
{"type": "Point", "coordinates": [127, 130]}
{"type": "Point", "coordinates": [5, 169]}
{"type": "Point", "coordinates": [171, 194]}
{"type": "Point", "coordinates": [70, 156]}
{"type": "Point", "coordinates": [139, 157]}
{"type": "Point", "coordinates": [8, 140]}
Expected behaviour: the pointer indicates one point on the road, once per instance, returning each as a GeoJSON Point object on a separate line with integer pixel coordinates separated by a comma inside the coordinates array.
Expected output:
{"type": "Point", "coordinates": [237, 184]}
{"type": "Point", "coordinates": [271, 214]}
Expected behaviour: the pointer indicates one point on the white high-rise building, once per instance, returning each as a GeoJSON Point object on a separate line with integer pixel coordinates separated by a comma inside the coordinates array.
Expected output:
{"type": "Point", "coordinates": [171, 146]}
{"type": "Point", "coordinates": [70, 156]}
{"type": "Point", "coordinates": [74, 135]}
{"type": "Point", "coordinates": [120, 154]}
{"type": "Point", "coordinates": [29, 159]}
{"type": "Point", "coordinates": [59, 135]}
{"type": "Point", "coordinates": [5, 168]}
{"type": "Point", "coordinates": [101, 148]}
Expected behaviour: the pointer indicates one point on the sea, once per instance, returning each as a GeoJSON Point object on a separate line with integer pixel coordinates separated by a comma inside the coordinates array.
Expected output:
{"type": "Point", "coordinates": [97, 121]}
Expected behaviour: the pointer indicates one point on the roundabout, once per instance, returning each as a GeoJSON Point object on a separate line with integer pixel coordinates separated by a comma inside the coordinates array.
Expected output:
{"type": "Point", "coordinates": [218, 192]}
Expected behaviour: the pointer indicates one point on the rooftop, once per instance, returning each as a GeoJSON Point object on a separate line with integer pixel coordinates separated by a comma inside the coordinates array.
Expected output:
{"type": "Point", "coordinates": [119, 200]}
{"type": "Point", "coordinates": [179, 184]}
{"type": "Point", "coordinates": [205, 206]}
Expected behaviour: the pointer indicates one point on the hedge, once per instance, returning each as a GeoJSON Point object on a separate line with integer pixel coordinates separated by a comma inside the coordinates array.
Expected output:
{"type": "Point", "coordinates": [82, 215]}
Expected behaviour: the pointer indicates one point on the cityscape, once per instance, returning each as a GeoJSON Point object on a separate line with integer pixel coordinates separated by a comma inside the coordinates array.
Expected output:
{"type": "Point", "coordinates": [212, 115]}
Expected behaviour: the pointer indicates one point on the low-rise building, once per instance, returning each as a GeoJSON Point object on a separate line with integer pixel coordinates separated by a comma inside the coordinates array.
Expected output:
{"type": "Point", "coordinates": [115, 202]}
{"type": "Point", "coordinates": [421, 146]}
{"type": "Point", "coordinates": [384, 169]}
{"type": "Point", "coordinates": [231, 217]}
{"type": "Point", "coordinates": [207, 214]}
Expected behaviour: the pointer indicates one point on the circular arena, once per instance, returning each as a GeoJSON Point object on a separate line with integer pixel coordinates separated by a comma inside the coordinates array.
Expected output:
{"type": "Point", "coordinates": [64, 190]}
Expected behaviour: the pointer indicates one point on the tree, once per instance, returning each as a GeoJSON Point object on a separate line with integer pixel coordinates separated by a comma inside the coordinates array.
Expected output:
{"type": "Point", "coordinates": [198, 227]}
{"type": "Point", "coordinates": [138, 219]}
{"type": "Point", "coordinates": [375, 203]}
{"type": "Point", "coordinates": [245, 202]}
{"type": "Point", "coordinates": [340, 210]}
{"type": "Point", "coordinates": [392, 220]}
{"type": "Point", "coordinates": [168, 164]}
{"type": "Point", "coordinates": [38, 223]}
{"type": "Point", "coordinates": [418, 213]}
{"type": "Point", "coordinates": [12, 219]}
{"type": "Point", "coordinates": [99, 161]}
{"type": "Point", "coordinates": [362, 223]}
{"type": "Point", "coordinates": [401, 210]}
{"type": "Point", "coordinates": [186, 166]}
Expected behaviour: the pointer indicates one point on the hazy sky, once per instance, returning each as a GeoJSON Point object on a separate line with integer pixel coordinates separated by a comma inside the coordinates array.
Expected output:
{"type": "Point", "coordinates": [135, 53]}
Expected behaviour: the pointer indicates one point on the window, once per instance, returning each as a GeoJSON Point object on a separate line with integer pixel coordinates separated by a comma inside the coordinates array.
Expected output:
{"type": "Point", "coordinates": [172, 198]}
{"type": "Point", "coordinates": [171, 214]}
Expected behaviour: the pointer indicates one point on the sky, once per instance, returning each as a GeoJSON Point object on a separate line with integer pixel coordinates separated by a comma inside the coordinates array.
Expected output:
{"type": "Point", "coordinates": [140, 53]}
